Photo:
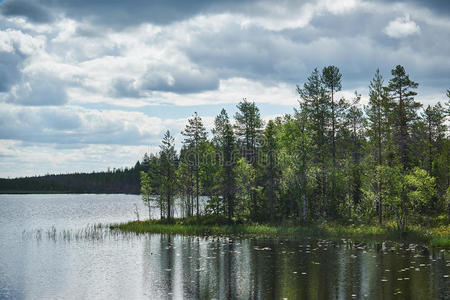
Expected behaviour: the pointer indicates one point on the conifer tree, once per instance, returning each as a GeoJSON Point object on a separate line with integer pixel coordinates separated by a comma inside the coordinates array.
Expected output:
{"type": "Point", "coordinates": [168, 181]}
{"type": "Point", "coordinates": [314, 102]}
{"type": "Point", "coordinates": [248, 132]}
{"type": "Point", "coordinates": [400, 89]}
{"type": "Point", "coordinates": [195, 136]}
{"type": "Point", "coordinates": [377, 112]}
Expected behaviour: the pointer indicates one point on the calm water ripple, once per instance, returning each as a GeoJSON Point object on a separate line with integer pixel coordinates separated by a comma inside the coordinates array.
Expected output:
{"type": "Point", "coordinates": [51, 249]}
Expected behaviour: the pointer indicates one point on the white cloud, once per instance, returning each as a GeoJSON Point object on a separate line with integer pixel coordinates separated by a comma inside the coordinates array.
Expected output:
{"type": "Point", "coordinates": [41, 159]}
{"type": "Point", "coordinates": [281, 15]}
{"type": "Point", "coordinates": [257, 50]}
{"type": "Point", "coordinates": [232, 90]}
{"type": "Point", "coordinates": [402, 27]}
{"type": "Point", "coordinates": [15, 40]}
{"type": "Point", "coordinates": [77, 125]}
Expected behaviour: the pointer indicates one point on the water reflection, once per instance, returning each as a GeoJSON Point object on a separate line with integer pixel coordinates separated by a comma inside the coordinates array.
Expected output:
{"type": "Point", "coordinates": [180, 267]}
{"type": "Point", "coordinates": [76, 261]}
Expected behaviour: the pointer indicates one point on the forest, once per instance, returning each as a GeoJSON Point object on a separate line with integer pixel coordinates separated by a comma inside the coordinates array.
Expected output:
{"type": "Point", "coordinates": [332, 159]}
{"type": "Point", "coordinates": [119, 180]}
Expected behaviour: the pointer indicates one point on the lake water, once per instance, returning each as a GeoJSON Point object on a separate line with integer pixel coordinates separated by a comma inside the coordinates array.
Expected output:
{"type": "Point", "coordinates": [47, 251]}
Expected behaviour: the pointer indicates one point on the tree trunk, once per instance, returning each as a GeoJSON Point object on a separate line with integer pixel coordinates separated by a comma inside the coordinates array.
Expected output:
{"type": "Point", "coordinates": [333, 133]}
{"type": "Point", "coordinates": [380, 197]}
{"type": "Point", "coordinates": [403, 131]}
{"type": "Point", "coordinates": [197, 191]}
{"type": "Point", "coordinates": [149, 212]}
{"type": "Point", "coordinates": [430, 149]}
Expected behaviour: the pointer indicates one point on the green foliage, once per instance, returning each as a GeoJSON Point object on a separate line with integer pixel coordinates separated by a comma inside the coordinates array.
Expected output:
{"type": "Point", "coordinates": [421, 190]}
{"type": "Point", "coordinates": [245, 184]}
{"type": "Point", "coordinates": [195, 139]}
{"type": "Point", "coordinates": [168, 157]}
{"type": "Point", "coordinates": [146, 191]}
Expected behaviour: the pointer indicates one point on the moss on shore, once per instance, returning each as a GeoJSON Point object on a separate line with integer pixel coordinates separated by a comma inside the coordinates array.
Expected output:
{"type": "Point", "coordinates": [436, 236]}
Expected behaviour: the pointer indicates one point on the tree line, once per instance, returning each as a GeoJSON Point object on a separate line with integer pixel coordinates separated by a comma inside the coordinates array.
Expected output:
{"type": "Point", "coordinates": [331, 159]}
{"type": "Point", "coordinates": [120, 180]}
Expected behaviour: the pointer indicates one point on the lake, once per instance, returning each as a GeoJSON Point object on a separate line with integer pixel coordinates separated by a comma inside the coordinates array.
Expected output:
{"type": "Point", "coordinates": [51, 250]}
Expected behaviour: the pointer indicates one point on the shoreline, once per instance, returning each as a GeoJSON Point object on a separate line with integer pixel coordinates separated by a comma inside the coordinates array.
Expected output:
{"type": "Point", "coordinates": [435, 237]}
{"type": "Point", "coordinates": [60, 193]}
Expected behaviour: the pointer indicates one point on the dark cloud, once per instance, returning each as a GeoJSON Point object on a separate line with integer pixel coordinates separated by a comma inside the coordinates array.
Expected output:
{"type": "Point", "coordinates": [68, 126]}
{"type": "Point", "coordinates": [441, 7]}
{"type": "Point", "coordinates": [41, 90]}
{"type": "Point", "coordinates": [166, 79]}
{"type": "Point", "coordinates": [124, 88]}
{"type": "Point", "coordinates": [125, 13]}
{"type": "Point", "coordinates": [180, 81]}
{"type": "Point", "coordinates": [356, 43]}
{"type": "Point", "coordinates": [10, 63]}
{"type": "Point", "coordinates": [29, 9]}
{"type": "Point", "coordinates": [88, 31]}
{"type": "Point", "coordinates": [250, 52]}
{"type": "Point", "coordinates": [119, 14]}
{"type": "Point", "coordinates": [56, 120]}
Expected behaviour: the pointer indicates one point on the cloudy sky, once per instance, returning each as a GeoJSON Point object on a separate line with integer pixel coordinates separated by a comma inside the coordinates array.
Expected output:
{"type": "Point", "coordinates": [87, 85]}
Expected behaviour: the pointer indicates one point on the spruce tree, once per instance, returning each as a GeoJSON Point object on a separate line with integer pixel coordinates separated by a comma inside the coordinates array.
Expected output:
{"type": "Point", "coordinates": [314, 102]}
{"type": "Point", "coordinates": [168, 181]}
{"type": "Point", "coordinates": [331, 78]}
{"type": "Point", "coordinates": [195, 135]}
{"type": "Point", "coordinates": [248, 132]}
{"type": "Point", "coordinates": [400, 89]}
{"type": "Point", "coordinates": [377, 112]}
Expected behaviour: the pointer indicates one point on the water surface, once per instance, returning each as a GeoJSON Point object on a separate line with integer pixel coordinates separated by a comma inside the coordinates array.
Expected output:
{"type": "Point", "coordinates": [44, 256]}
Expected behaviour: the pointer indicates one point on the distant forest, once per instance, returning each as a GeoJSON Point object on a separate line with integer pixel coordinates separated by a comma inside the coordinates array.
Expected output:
{"type": "Point", "coordinates": [120, 180]}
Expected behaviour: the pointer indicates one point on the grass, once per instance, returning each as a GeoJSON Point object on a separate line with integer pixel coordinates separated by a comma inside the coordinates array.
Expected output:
{"type": "Point", "coordinates": [205, 226]}
{"type": "Point", "coordinates": [94, 232]}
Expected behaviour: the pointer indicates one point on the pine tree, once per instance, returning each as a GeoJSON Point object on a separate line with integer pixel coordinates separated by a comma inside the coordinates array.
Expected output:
{"type": "Point", "coordinates": [218, 131]}
{"type": "Point", "coordinates": [228, 182]}
{"type": "Point", "coordinates": [377, 111]}
{"type": "Point", "coordinates": [270, 166]}
{"type": "Point", "coordinates": [331, 78]}
{"type": "Point", "coordinates": [434, 119]}
{"type": "Point", "coordinates": [168, 180]}
{"type": "Point", "coordinates": [195, 135]}
{"type": "Point", "coordinates": [448, 103]}
{"type": "Point", "coordinates": [248, 132]}
{"type": "Point", "coordinates": [400, 90]}
{"type": "Point", "coordinates": [225, 143]}
{"type": "Point", "coordinates": [315, 105]}
{"type": "Point", "coordinates": [356, 123]}
{"type": "Point", "coordinates": [248, 129]}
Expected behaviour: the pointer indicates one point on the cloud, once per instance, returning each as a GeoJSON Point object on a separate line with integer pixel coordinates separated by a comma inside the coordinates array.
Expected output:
{"type": "Point", "coordinates": [180, 80]}
{"type": "Point", "coordinates": [76, 125]}
{"type": "Point", "coordinates": [268, 14]}
{"type": "Point", "coordinates": [41, 159]}
{"type": "Point", "coordinates": [291, 14]}
{"type": "Point", "coordinates": [112, 14]}
{"type": "Point", "coordinates": [93, 77]}
{"type": "Point", "coordinates": [232, 90]}
{"type": "Point", "coordinates": [15, 48]}
{"type": "Point", "coordinates": [29, 9]}
{"type": "Point", "coordinates": [9, 70]}
{"type": "Point", "coordinates": [38, 90]}
{"type": "Point", "coordinates": [402, 27]}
